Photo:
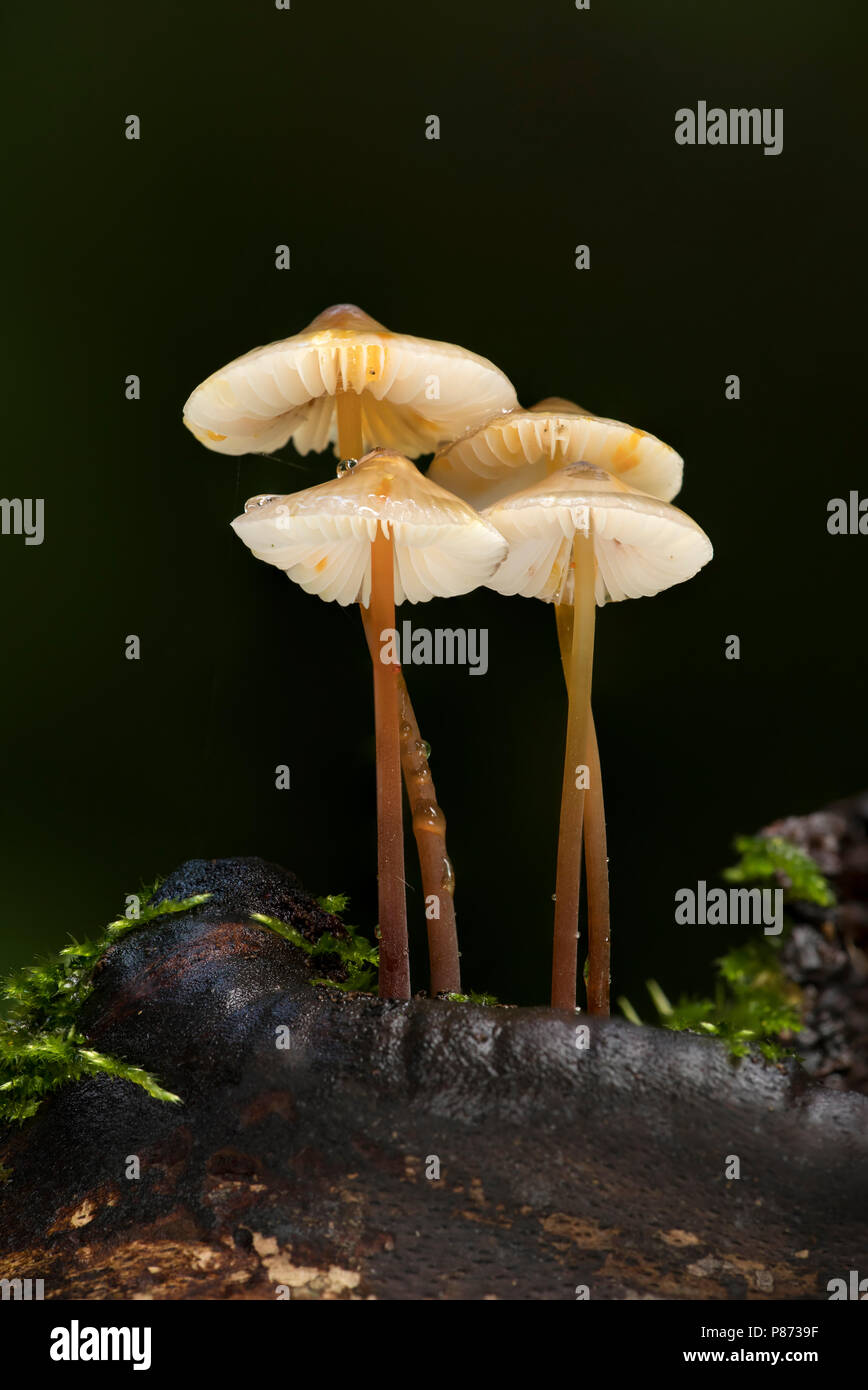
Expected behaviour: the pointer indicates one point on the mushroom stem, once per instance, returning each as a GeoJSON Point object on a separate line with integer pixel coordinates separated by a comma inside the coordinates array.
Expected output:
{"type": "Point", "coordinates": [569, 868]}
{"type": "Point", "coordinates": [429, 823]}
{"type": "Point", "coordinates": [348, 404]}
{"type": "Point", "coordinates": [394, 952]}
{"type": "Point", "coordinates": [429, 830]}
{"type": "Point", "coordinates": [597, 871]}
{"type": "Point", "coordinates": [596, 850]}
{"type": "Point", "coordinates": [438, 878]}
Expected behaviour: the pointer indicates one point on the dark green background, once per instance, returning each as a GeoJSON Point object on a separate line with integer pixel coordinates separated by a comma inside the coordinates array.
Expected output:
{"type": "Point", "coordinates": [157, 258]}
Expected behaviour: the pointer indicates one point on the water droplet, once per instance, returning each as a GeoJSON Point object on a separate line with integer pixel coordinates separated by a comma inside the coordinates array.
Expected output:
{"type": "Point", "coordinates": [554, 897]}
{"type": "Point", "coordinates": [424, 747]}
{"type": "Point", "coordinates": [427, 816]}
{"type": "Point", "coordinates": [345, 466]}
{"type": "Point", "coordinates": [447, 882]}
{"type": "Point", "coordinates": [406, 728]}
{"type": "Point", "coordinates": [261, 500]}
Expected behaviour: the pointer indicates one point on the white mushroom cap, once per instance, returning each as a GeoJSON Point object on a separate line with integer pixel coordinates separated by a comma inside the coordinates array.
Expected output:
{"type": "Point", "coordinates": [322, 536]}
{"type": "Point", "coordinates": [641, 545]}
{"type": "Point", "coordinates": [517, 449]}
{"type": "Point", "coordinates": [415, 394]}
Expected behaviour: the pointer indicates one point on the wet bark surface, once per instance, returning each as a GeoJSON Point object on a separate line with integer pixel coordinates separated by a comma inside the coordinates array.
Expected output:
{"type": "Point", "coordinates": [826, 953]}
{"type": "Point", "coordinates": [412, 1151]}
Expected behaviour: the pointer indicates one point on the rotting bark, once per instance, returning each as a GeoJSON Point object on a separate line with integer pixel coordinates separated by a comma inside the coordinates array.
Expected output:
{"type": "Point", "coordinates": [826, 952]}
{"type": "Point", "coordinates": [560, 1165]}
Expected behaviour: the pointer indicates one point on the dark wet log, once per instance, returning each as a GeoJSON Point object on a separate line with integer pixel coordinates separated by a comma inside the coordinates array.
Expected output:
{"type": "Point", "coordinates": [560, 1165]}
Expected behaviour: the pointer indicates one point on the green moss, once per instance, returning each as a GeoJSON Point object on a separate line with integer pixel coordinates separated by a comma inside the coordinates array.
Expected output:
{"type": "Point", "coordinates": [357, 958]}
{"type": "Point", "coordinates": [765, 857]}
{"type": "Point", "coordinates": [335, 903]}
{"type": "Point", "coordinates": [754, 1004]}
{"type": "Point", "coordinates": [473, 997]}
{"type": "Point", "coordinates": [41, 1048]}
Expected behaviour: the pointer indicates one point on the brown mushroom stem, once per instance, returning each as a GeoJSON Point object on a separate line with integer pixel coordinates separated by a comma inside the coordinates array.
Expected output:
{"type": "Point", "coordinates": [429, 822]}
{"type": "Point", "coordinates": [348, 405]}
{"type": "Point", "coordinates": [429, 830]}
{"type": "Point", "coordinates": [438, 877]}
{"type": "Point", "coordinates": [569, 870]}
{"type": "Point", "coordinates": [596, 849]}
{"type": "Point", "coordinates": [597, 876]}
{"type": "Point", "coordinates": [394, 952]}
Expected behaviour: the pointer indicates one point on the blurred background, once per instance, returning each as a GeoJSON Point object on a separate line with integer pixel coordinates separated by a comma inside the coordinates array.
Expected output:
{"type": "Point", "coordinates": [156, 258]}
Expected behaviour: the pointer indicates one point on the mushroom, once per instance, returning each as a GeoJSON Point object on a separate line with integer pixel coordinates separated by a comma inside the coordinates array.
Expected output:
{"type": "Point", "coordinates": [348, 381]}
{"type": "Point", "coordinates": [380, 533]}
{"type": "Point", "coordinates": [520, 447]}
{"type": "Point", "coordinates": [514, 450]}
{"type": "Point", "coordinates": [578, 537]}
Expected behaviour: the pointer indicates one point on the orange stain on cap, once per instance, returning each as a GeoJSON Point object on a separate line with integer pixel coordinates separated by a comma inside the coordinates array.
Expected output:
{"type": "Point", "coordinates": [626, 456]}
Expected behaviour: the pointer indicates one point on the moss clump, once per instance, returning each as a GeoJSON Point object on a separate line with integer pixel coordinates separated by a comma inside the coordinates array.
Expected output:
{"type": "Point", "coordinates": [754, 1004]}
{"type": "Point", "coordinates": [473, 997]}
{"type": "Point", "coordinates": [40, 1046]}
{"type": "Point", "coordinates": [357, 959]}
{"type": "Point", "coordinates": [765, 857]}
{"type": "Point", "coordinates": [335, 903]}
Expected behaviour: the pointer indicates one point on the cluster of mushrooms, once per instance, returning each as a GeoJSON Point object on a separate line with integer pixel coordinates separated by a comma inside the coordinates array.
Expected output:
{"type": "Point", "coordinates": [533, 502]}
